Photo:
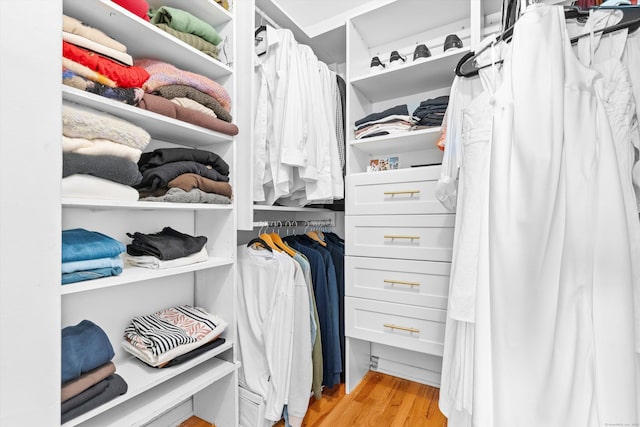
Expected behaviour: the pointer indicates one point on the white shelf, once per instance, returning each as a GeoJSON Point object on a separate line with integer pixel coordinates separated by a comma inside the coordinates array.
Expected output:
{"type": "Point", "coordinates": [395, 175]}
{"type": "Point", "coordinates": [401, 19]}
{"type": "Point", "coordinates": [137, 274]}
{"type": "Point", "coordinates": [425, 75]}
{"type": "Point", "coordinates": [423, 139]}
{"type": "Point", "coordinates": [266, 208]}
{"type": "Point", "coordinates": [159, 127]}
{"type": "Point", "coordinates": [141, 205]}
{"type": "Point", "coordinates": [145, 40]}
{"type": "Point", "coordinates": [152, 391]}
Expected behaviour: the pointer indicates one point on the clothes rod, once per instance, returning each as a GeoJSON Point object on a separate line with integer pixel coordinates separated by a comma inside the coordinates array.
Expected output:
{"type": "Point", "coordinates": [266, 17]}
{"type": "Point", "coordinates": [296, 223]}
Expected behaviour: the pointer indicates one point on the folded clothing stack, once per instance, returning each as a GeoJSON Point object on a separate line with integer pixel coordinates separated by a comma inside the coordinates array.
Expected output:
{"type": "Point", "coordinates": [101, 146]}
{"type": "Point", "coordinates": [188, 28]}
{"type": "Point", "coordinates": [431, 112]}
{"type": "Point", "coordinates": [165, 249]}
{"type": "Point", "coordinates": [88, 255]}
{"type": "Point", "coordinates": [390, 121]}
{"type": "Point", "coordinates": [184, 175]}
{"type": "Point", "coordinates": [176, 332]}
{"type": "Point", "coordinates": [94, 56]}
{"type": "Point", "coordinates": [168, 82]}
{"type": "Point", "coordinates": [88, 374]}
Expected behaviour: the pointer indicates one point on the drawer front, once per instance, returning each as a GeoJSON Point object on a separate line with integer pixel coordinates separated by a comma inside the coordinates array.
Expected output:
{"type": "Point", "coordinates": [409, 327]}
{"type": "Point", "coordinates": [421, 283]}
{"type": "Point", "coordinates": [417, 237]}
{"type": "Point", "coordinates": [405, 191]}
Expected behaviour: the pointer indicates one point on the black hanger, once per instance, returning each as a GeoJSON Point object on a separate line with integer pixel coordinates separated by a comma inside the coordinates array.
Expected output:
{"type": "Point", "coordinates": [260, 29]}
{"type": "Point", "coordinates": [259, 39]}
{"type": "Point", "coordinates": [260, 242]}
{"type": "Point", "coordinates": [467, 67]}
{"type": "Point", "coordinates": [630, 19]}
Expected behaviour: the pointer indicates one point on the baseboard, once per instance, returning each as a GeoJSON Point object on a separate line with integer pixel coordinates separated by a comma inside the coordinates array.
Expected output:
{"type": "Point", "coordinates": [407, 364]}
{"type": "Point", "coordinates": [175, 416]}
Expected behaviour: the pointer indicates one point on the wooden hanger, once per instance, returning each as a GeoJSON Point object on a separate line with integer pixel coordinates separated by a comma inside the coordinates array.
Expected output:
{"type": "Point", "coordinates": [277, 240]}
{"type": "Point", "coordinates": [467, 66]}
{"type": "Point", "coordinates": [314, 235]}
{"type": "Point", "coordinates": [269, 241]}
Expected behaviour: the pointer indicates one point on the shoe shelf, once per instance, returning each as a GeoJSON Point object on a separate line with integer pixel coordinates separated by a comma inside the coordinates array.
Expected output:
{"type": "Point", "coordinates": [145, 40]}
{"type": "Point", "coordinates": [423, 75]}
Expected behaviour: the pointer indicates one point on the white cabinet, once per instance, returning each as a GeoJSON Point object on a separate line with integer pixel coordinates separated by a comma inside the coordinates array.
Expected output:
{"type": "Point", "coordinates": [207, 384]}
{"type": "Point", "coordinates": [399, 239]}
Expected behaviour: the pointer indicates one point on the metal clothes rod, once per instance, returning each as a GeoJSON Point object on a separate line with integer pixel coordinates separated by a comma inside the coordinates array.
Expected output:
{"type": "Point", "coordinates": [296, 223]}
{"type": "Point", "coordinates": [266, 17]}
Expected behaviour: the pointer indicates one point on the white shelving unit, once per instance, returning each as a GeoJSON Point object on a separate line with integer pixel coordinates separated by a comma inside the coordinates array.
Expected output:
{"type": "Point", "coordinates": [398, 236]}
{"type": "Point", "coordinates": [205, 386]}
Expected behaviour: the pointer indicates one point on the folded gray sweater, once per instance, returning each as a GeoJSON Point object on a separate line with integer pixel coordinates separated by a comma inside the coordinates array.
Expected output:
{"type": "Point", "coordinates": [116, 169]}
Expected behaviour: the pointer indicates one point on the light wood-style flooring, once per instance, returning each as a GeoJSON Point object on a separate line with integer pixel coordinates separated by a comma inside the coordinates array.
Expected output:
{"type": "Point", "coordinates": [379, 401]}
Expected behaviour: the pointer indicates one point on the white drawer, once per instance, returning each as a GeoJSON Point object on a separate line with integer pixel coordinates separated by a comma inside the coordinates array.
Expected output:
{"type": "Point", "coordinates": [419, 237]}
{"type": "Point", "coordinates": [403, 191]}
{"type": "Point", "coordinates": [420, 283]}
{"type": "Point", "coordinates": [405, 326]}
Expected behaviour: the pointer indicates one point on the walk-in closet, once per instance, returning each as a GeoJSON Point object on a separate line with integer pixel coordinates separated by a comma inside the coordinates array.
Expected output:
{"type": "Point", "coordinates": [320, 213]}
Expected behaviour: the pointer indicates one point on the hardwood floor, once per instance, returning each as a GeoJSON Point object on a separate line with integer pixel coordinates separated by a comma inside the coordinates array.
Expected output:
{"type": "Point", "coordinates": [379, 401]}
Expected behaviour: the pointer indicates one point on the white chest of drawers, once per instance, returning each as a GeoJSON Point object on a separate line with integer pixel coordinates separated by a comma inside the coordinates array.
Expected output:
{"type": "Point", "coordinates": [399, 243]}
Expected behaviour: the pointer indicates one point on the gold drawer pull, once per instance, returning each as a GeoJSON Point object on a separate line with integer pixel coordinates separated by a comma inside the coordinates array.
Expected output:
{"type": "Point", "coordinates": [401, 282]}
{"type": "Point", "coordinates": [393, 193]}
{"type": "Point", "coordinates": [402, 328]}
{"type": "Point", "coordinates": [398, 236]}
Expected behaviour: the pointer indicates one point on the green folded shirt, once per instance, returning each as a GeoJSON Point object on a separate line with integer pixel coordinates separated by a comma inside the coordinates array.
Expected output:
{"type": "Point", "coordinates": [181, 20]}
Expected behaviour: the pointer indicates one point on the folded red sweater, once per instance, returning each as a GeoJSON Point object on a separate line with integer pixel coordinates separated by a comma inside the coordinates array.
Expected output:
{"type": "Point", "coordinates": [123, 75]}
{"type": "Point", "coordinates": [137, 7]}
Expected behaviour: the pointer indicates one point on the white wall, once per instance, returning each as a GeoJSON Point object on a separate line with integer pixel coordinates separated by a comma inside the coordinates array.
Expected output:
{"type": "Point", "coordinates": [30, 168]}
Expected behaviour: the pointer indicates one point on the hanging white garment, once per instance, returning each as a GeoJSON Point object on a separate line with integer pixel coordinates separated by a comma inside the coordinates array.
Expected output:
{"type": "Point", "coordinates": [279, 126]}
{"type": "Point", "coordinates": [617, 95]}
{"type": "Point", "coordinates": [301, 367]}
{"type": "Point", "coordinates": [274, 331]}
{"type": "Point", "coordinates": [468, 137]}
{"type": "Point", "coordinates": [295, 144]}
{"type": "Point", "coordinates": [558, 238]}
{"type": "Point", "coordinates": [605, 55]}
